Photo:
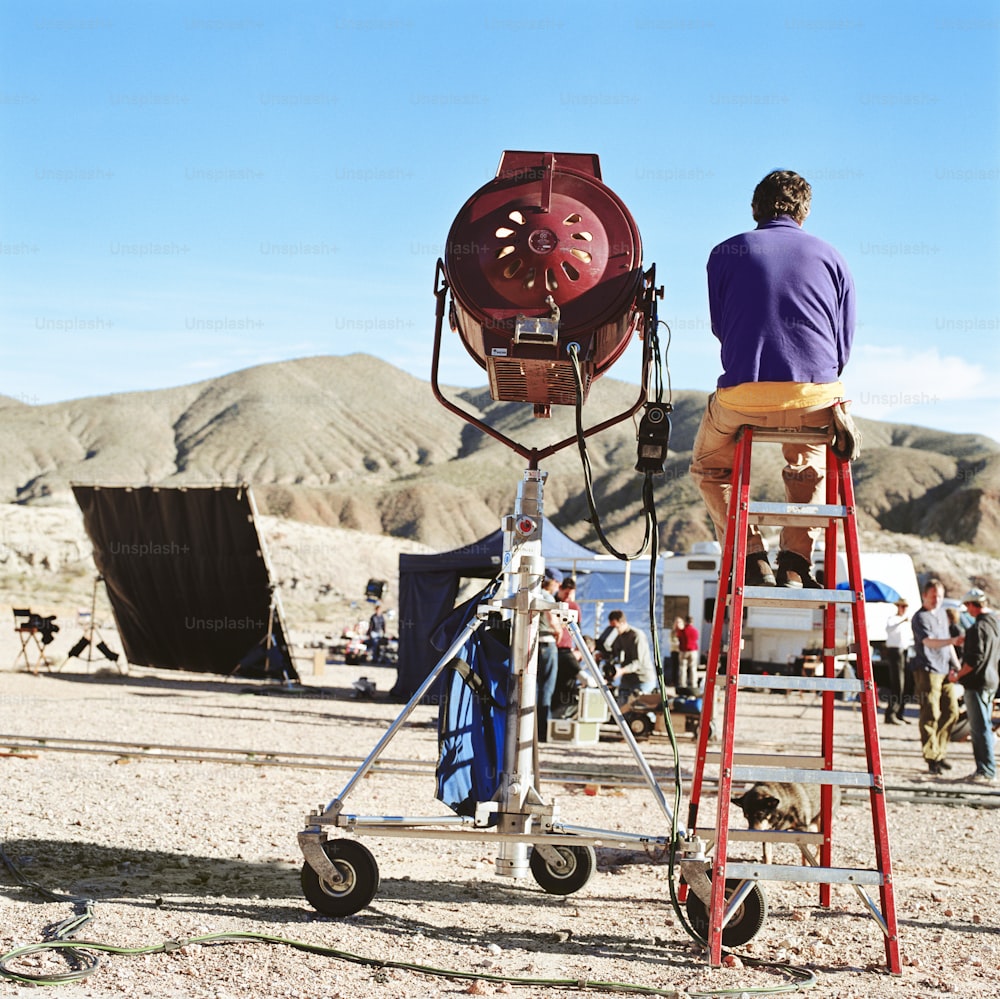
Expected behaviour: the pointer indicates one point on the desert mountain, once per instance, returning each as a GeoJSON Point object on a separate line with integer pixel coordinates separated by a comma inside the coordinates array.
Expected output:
{"type": "Point", "coordinates": [353, 442]}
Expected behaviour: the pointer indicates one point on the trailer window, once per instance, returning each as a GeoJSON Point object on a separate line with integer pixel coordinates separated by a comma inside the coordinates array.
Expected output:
{"type": "Point", "coordinates": [675, 607]}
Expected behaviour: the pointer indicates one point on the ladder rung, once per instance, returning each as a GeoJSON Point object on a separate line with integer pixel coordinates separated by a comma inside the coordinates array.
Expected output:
{"type": "Point", "coordinates": [770, 596]}
{"type": "Point", "coordinates": [781, 435]}
{"type": "Point", "coordinates": [788, 872]}
{"type": "Point", "coordinates": [764, 836]}
{"type": "Point", "coordinates": [781, 519]}
{"type": "Point", "coordinates": [768, 759]}
{"type": "Point", "coordinates": [793, 775]}
{"type": "Point", "coordinates": [803, 515]}
{"type": "Point", "coordinates": [774, 681]}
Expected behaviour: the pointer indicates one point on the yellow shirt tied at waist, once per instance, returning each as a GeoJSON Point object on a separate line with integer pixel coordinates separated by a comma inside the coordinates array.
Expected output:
{"type": "Point", "coordinates": [767, 397]}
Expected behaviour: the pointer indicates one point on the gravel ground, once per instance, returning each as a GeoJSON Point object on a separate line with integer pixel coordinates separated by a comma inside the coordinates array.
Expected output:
{"type": "Point", "coordinates": [174, 849]}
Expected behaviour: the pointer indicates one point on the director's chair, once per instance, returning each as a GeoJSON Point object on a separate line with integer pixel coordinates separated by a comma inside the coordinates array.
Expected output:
{"type": "Point", "coordinates": [28, 629]}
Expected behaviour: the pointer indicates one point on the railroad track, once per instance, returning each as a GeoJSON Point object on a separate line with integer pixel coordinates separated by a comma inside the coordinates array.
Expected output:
{"type": "Point", "coordinates": [20, 745]}
{"type": "Point", "coordinates": [620, 775]}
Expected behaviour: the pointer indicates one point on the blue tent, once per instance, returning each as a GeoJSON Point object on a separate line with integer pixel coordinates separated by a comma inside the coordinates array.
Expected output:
{"type": "Point", "coordinates": [429, 586]}
{"type": "Point", "coordinates": [602, 585]}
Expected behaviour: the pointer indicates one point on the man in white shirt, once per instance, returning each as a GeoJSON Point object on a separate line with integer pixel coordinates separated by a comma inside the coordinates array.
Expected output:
{"type": "Point", "coordinates": [898, 639]}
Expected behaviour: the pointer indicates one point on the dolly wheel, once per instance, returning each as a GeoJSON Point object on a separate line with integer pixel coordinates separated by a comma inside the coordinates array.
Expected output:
{"type": "Point", "coordinates": [356, 866]}
{"type": "Point", "coordinates": [746, 923]}
{"type": "Point", "coordinates": [639, 724]}
{"type": "Point", "coordinates": [576, 865]}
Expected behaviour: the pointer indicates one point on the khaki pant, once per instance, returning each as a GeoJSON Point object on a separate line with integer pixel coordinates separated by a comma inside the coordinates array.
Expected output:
{"type": "Point", "coordinates": [804, 472]}
{"type": "Point", "coordinates": [938, 702]}
{"type": "Point", "coordinates": [687, 673]}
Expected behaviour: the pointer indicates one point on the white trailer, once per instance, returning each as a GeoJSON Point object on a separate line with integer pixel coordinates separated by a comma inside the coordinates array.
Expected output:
{"type": "Point", "coordinates": [777, 637]}
{"type": "Point", "coordinates": [689, 585]}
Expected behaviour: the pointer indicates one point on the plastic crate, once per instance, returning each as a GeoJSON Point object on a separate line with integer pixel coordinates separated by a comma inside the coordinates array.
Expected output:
{"type": "Point", "coordinates": [577, 733]}
{"type": "Point", "coordinates": [592, 706]}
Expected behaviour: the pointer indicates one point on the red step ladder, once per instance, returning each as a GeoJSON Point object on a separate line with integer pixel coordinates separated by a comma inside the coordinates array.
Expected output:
{"type": "Point", "coordinates": [748, 767]}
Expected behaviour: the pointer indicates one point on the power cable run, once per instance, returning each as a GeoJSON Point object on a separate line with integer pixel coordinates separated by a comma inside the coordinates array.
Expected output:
{"type": "Point", "coordinates": [79, 954]}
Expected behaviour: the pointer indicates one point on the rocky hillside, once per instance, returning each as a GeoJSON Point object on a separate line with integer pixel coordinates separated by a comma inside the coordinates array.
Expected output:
{"type": "Point", "coordinates": [353, 442]}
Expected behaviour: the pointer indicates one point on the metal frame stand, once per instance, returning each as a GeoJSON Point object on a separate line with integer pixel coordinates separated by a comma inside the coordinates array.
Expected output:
{"type": "Point", "coordinates": [518, 816]}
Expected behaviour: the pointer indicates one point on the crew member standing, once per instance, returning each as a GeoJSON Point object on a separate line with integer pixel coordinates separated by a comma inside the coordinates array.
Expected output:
{"type": "Point", "coordinates": [933, 686]}
{"type": "Point", "coordinates": [564, 701]}
{"type": "Point", "coordinates": [376, 634]}
{"type": "Point", "coordinates": [898, 639]}
{"type": "Point", "coordinates": [687, 669]}
{"type": "Point", "coordinates": [980, 675]}
{"type": "Point", "coordinates": [548, 656]}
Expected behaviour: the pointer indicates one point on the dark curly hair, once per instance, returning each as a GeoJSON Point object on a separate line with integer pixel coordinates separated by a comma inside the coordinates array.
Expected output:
{"type": "Point", "coordinates": [781, 192]}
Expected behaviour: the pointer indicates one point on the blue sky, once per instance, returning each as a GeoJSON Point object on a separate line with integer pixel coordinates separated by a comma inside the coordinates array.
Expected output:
{"type": "Point", "coordinates": [191, 189]}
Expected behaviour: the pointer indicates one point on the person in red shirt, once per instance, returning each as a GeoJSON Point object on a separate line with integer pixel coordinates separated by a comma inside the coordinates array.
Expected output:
{"type": "Point", "coordinates": [687, 645]}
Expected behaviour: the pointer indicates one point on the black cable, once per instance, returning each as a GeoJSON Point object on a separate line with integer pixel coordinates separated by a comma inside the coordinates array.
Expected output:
{"type": "Point", "coordinates": [651, 540]}
{"type": "Point", "coordinates": [588, 476]}
{"type": "Point", "coordinates": [658, 373]}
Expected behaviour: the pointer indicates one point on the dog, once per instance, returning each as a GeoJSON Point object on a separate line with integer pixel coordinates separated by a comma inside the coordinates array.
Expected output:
{"type": "Point", "coordinates": [774, 805]}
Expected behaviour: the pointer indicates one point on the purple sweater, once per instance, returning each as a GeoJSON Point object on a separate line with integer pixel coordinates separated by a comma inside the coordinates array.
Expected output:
{"type": "Point", "coordinates": [782, 306]}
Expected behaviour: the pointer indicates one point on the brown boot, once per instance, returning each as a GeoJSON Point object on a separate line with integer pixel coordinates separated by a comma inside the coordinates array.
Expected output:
{"type": "Point", "coordinates": [758, 570]}
{"type": "Point", "coordinates": [795, 572]}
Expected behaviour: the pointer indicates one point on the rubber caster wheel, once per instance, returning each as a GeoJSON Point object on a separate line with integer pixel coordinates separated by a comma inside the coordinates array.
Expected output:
{"type": "Point", "coordinates": [640, 725]}
{"type": "Point", "coordinates": [356, 865]}
{"type": "Point", "coordinates": [746, 923]}
{"type": "Point", "coordinates": [577, 864]}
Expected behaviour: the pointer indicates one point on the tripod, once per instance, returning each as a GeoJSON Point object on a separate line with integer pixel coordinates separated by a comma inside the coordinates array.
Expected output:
{"type": "Point", "coordinates": [90, 630]}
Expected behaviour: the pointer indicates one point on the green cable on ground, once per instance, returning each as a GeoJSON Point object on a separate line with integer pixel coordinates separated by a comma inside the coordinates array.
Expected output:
{"type": "Point", "coordinates": [79, 948]}
{"type": "Point", "coordinates": [80, 952]}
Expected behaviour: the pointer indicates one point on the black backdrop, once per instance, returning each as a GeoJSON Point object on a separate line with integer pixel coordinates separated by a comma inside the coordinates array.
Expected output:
{"type": "Point", "coordinates": [186, 577]}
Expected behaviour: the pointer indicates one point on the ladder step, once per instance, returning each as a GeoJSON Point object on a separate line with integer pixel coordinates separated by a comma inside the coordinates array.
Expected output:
{"type": "Point", "coordinates": [802, 515]}
{"type": "Point", "coordinates": [781, 435]}
{"type": "Point", "coordinates": [714, 757]}
{"type": "Point", "coordinates": [794, 836]}
{"type": "Point", "coordinates": [774, 681]}
{"type": "Point", "coordinates": [795, 775]}
{"type": "Point", "coordinates": [817, 875]}
{"type": "Point", "coordinates": [771, 596]}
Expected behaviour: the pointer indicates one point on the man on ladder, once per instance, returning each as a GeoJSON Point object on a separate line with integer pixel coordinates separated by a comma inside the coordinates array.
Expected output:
{"type": "Point", "coordinates": [782, 307]}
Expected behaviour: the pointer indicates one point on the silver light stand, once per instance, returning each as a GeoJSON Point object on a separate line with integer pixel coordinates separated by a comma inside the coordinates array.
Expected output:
{"type": "Point", "coordinates": [517, 816]}
{"type": "Point", "coordinates": [340, 876]}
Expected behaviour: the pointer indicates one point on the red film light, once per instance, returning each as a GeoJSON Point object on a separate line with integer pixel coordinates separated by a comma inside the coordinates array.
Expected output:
{"type": "Point", "coordinates": [541, 257]}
